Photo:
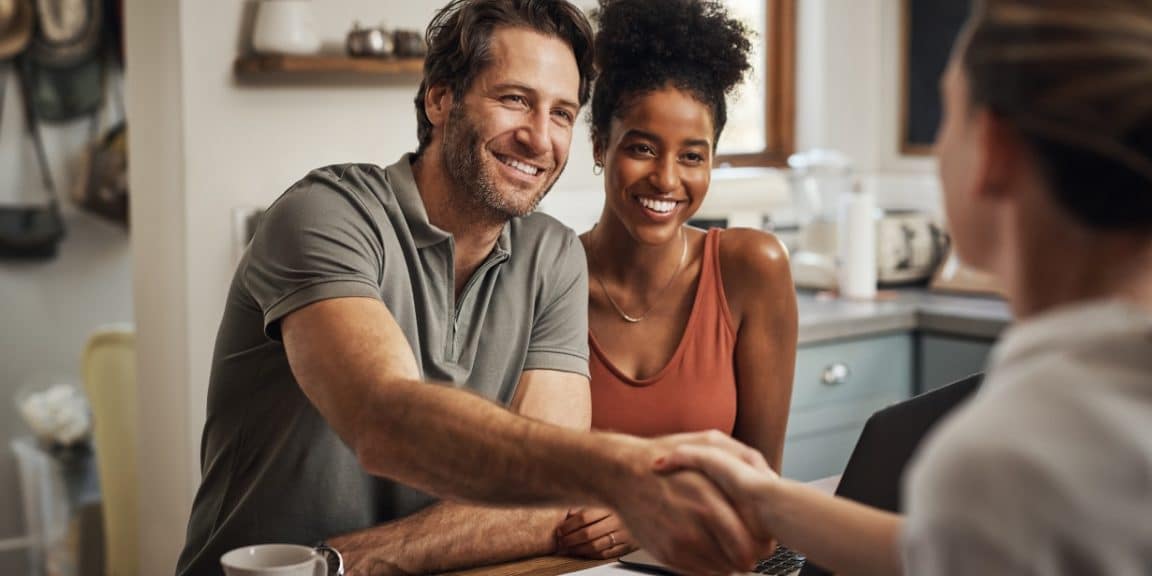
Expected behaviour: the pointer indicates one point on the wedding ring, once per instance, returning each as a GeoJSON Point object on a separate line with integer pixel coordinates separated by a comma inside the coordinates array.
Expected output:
{"type": "Point", "coordinates": [612, 539]}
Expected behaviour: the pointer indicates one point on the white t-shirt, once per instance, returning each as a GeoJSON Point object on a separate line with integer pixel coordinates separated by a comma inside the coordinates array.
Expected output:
{"type": "Point", "coordinates": [1048, 470]}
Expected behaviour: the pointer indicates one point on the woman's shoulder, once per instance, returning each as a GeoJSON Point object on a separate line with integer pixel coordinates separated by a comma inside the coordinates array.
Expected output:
{"type": "Point", "coordinates": [758, 252]}
{"type": "Point", "coordinates": [752, 263]}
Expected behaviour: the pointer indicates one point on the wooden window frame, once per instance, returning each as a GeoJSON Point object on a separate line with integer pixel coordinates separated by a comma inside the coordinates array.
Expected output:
{"type": "Point", "coordinates": [780, 95]}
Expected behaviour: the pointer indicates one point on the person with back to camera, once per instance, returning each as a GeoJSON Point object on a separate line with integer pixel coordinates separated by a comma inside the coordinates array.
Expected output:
{"type": "Point", "coordinates": [397, 334]}
{"type": "Point", "coordinates": [1045, 156]}
{"type": "Point", "coordinates": [689, 330]}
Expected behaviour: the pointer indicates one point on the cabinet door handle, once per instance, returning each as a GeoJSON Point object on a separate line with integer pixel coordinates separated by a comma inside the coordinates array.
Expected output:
{"type": "Point", "coordinates": [835, 374]}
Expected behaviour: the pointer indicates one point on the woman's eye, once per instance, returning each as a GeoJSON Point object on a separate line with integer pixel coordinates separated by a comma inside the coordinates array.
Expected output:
{"type": "Point", "coordinates": [641, 149]}
{"type": "Point", "coordinates": [694, 158]}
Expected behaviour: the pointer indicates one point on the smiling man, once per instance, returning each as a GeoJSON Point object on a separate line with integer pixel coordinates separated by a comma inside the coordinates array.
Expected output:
{"type": "Point", "coordinates": [402, 332]}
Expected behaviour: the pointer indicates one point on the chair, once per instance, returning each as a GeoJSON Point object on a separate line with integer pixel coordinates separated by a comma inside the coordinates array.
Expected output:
{"type": "Point", "coordinates": [110, 381]}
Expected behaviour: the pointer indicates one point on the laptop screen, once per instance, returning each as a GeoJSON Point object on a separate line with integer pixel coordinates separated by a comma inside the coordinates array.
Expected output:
{"type": "Point", "coordinates": [886, 446]}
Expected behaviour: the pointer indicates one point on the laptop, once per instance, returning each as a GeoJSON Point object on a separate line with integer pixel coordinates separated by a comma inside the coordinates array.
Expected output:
{"type": "Point", "coordinates": [872, 476]}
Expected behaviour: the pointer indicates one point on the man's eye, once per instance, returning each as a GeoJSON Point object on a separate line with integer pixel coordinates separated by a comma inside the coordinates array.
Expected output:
{"type": "Point", "coordinates": [514, 99]}
{"type": "Point", "coordinates": [566, 116]}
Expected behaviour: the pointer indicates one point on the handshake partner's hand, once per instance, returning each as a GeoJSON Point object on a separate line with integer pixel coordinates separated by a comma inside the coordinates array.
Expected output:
{"type": "Point", "coordinates": [693, 508]}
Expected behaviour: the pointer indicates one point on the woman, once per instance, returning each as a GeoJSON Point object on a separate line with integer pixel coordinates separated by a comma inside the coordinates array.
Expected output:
{"type": "Point", "coordinates": [690, 330]}
{"type": "Point", "coordinates": [1045, 154]}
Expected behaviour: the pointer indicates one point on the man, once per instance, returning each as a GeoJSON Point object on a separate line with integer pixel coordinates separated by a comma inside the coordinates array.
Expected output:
{"type": "Point", "coordinates": [363, 286]}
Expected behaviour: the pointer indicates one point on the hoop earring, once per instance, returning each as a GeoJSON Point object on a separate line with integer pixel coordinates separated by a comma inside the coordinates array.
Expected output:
{"type": "Point", "coordinates": [597, 169]}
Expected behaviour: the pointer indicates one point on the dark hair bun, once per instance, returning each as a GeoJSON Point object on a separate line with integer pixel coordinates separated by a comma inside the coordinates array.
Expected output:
{"type": "Point", "coordinates": [660, 37]}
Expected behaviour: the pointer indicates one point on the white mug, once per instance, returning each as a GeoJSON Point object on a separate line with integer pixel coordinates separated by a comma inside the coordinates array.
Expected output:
{"type": "Point", "coordinates": [274, 560]}
{"type": "Point", "coordinates": [285, 27]}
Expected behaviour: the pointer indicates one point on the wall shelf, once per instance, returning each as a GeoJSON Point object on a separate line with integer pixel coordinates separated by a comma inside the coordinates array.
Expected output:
{"type": "Point", "coordinates": [309, 69]}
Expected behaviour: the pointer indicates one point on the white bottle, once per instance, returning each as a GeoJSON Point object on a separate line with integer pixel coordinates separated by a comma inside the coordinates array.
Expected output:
{"type": "Point", "coordinates": [857, 244]}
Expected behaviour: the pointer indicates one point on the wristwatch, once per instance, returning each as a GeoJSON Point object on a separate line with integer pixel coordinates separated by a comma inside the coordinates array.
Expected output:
{"type": "Point", "coordinates": [332, 557]}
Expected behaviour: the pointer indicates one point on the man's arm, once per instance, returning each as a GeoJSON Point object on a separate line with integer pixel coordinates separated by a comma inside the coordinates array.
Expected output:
{"type": "Point", "coordinates": [355, 365]}
{"type": "Point", "coordinates": [449, 536]}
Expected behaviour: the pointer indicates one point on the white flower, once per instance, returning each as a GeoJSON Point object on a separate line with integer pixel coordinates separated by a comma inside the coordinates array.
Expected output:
{"type": "Point", "coordinates": [58, 414]}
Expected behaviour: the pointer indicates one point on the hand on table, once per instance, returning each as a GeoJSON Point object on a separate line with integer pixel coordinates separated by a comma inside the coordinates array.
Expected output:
{"type": "Point", "coordinates": [593, 533]}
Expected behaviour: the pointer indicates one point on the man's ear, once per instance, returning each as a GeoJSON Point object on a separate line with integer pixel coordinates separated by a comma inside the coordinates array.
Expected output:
{"type": "Point", "coordinates": [438, 103]}
{"type": "Point", "coordinates": [1001, 150]}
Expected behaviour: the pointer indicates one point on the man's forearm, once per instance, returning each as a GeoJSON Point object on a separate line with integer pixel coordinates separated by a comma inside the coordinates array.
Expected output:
{"type": "Point", "coordinates": [449, 536]}
{"type": "Point", "coordinates": [479, 447]}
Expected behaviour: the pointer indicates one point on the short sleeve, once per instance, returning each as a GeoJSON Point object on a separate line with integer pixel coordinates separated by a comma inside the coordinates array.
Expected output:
{"type": "Point", "coordinates": [559, 338]}
{"type": "Point", "coordinates": [317, 242]}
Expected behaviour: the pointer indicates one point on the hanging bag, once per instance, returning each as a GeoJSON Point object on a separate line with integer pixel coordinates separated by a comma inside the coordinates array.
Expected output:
{"type": "Point", "coordinates": [102, 188]}
{"type": "Point", "coordinates": [66, 72]}
{"type": "Point", "coordinates": [31, 232]}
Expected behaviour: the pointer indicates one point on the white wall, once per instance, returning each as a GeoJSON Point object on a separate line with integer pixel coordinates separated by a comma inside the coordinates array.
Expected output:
{"type": "Point", "coordinates": [203, 145]}
{"type": "Point", "coordinates": [48, 309]}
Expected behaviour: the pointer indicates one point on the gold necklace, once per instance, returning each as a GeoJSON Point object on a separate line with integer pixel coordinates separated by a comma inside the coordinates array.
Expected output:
{"type": "Point", "coordinates": [625, 316]}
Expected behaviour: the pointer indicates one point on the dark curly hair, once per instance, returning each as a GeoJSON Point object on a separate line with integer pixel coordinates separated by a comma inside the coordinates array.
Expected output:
{"type": "Point", "coordinates": [646, 45]}
{"type": "Point", "coordinates": [460, 40]}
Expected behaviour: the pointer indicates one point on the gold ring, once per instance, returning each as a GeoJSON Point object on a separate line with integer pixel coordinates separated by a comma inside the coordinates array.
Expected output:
{"type": "Point", "coordinates": [612, 539]}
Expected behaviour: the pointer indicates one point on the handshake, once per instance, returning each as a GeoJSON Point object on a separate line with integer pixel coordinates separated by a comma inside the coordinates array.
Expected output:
{"type": "Point", "coordinates": [696, 501]}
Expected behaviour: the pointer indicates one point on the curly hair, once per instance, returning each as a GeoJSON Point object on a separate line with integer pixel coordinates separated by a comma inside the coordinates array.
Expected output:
{"type": "Point", "coordinates": [646, 45]}
{"type": "Point", "coordinates": [459, 42]}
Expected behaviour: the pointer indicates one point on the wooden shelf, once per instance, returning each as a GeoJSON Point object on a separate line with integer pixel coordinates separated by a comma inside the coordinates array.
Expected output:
{"type": "Point", "coordinates": [302, 68]}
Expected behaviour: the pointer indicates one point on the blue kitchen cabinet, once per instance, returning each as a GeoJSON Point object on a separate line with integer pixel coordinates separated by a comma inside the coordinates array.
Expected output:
{"type": "Point", "coordinates": [838, 385]}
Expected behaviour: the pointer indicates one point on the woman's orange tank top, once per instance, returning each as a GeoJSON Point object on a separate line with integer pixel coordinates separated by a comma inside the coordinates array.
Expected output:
{"type": "Point", "coordinates": [696, 390]}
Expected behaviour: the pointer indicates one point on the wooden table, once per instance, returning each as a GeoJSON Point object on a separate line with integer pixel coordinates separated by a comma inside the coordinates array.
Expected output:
{"type": "Point", "coordinates": [556, 565]}
{"type": "Point", "coordinates": [542, 566]}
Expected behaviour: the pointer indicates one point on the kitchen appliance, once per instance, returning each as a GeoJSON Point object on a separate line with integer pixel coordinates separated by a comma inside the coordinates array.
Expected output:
{"type": "Point", "coordinates": [909, 244]}
{"type": "Point", "coordinates": [909, 247]}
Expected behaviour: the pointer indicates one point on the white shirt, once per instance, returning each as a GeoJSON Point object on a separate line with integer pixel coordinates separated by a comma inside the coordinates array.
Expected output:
{"type": "Point", "coordinates": [1048, 470]}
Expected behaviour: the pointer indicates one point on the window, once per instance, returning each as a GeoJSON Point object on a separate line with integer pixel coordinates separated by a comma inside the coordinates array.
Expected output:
{"type": "Point", "coordinates": [761, 117]}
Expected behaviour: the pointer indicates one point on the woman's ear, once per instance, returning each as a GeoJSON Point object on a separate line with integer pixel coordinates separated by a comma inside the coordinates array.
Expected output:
{"type": "Point", "coordinates": [597, 148]}
{"type": "Point", "coordinates": [1002, 149]}
{"type": "Point", "coordinates": [438, 104]}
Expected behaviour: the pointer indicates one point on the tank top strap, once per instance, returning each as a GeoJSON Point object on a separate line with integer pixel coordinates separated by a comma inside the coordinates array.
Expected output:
{"type": "Point", "coordinates": [711, 277]}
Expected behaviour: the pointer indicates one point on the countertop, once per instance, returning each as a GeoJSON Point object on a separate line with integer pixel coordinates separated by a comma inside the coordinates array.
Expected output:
{"type": "Point", "coordinates": [824, 318]}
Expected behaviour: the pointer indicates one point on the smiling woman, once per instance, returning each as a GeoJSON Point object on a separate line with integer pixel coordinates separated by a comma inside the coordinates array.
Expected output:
{"type": "Point", "coordinates": [688, 330]}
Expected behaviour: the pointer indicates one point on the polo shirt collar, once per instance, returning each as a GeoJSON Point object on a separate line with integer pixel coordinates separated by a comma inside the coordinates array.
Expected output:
{"type": "Point", "coordinates": [424, 233]}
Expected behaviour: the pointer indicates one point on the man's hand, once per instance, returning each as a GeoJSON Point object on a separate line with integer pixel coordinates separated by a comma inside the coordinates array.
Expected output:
{"type": "Point", "coordinates": [593, 533]}
{"type": "Point", "coordinates": [740, 472]}
{"type": "Point", "coordinates": [681, 517]}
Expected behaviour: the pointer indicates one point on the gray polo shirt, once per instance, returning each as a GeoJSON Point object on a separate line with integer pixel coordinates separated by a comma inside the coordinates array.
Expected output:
{"type": "Point", "coordinates": [273, 470]}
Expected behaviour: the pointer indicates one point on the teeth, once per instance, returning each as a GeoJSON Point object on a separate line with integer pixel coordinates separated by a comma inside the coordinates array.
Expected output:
{"type": "Point", "coordinates": [525, 168]}
{"type": "Point", "coordinates": [661, 206]}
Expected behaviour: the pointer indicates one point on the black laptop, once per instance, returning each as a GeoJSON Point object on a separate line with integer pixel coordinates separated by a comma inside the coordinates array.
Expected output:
{"type": "Point", "coordinates": [872, 476]}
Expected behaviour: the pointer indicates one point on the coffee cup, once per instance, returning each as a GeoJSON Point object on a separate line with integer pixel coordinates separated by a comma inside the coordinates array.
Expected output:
{"type": "Point", "coordinates": [275, 560]}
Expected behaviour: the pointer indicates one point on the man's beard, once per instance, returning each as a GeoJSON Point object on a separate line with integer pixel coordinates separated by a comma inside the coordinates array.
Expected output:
{"type": "Point", "coordinates": [474, 186]}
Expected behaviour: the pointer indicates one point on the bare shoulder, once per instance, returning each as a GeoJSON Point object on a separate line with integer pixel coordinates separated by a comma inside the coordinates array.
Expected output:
{"type": "Point", "coordinates": [753, 264]}
{"type": "Point", "coordinates": [748, 255]}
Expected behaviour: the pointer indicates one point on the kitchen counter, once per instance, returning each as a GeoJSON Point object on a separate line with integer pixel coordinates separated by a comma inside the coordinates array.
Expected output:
{"type": "Point", "coordinates": [824, 318]}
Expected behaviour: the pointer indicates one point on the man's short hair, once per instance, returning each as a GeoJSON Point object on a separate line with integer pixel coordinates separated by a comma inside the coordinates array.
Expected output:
{"type": "Point", "coordinates": [460, 40]}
